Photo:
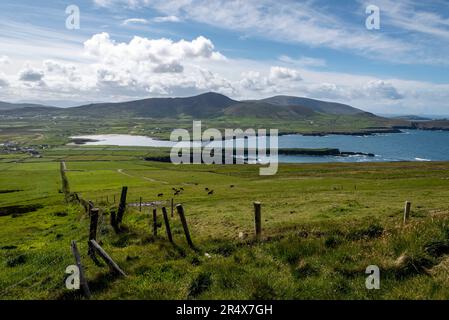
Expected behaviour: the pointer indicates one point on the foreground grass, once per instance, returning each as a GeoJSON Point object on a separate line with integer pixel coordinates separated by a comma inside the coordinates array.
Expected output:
{"type": "Point", "coordinates": [323, 225]}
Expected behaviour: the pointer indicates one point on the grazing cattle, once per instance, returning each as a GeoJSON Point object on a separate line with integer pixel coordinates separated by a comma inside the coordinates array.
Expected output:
{"type": "Point", "coordinates": [207, 189]}
{"type": "Point", "coordinates": [232, 186]}
{"type": "Point", "coordinates": [160, 195]}
{"type": "Point", "coordinates": [211, 192]}
{"type": "Point", "coordinates": [182, 188]}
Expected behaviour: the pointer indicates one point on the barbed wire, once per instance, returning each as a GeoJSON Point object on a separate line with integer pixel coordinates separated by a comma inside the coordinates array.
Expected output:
{"type": "Point", "coordinates": [51, 263]}
{"type": "Point", "coordinates": [3, 292]}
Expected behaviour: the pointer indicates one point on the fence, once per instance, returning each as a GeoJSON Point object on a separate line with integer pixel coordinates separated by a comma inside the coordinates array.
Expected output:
{"type": "Point", "coordinates": [97, 218]}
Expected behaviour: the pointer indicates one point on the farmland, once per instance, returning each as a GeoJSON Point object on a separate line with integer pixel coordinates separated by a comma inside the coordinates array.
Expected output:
{"type": "Point", "coordinates": [323, 224]}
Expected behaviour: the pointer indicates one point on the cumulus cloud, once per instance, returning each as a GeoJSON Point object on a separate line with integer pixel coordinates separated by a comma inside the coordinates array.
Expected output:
{"type": "Point", "coordinates": [29, 74]}
{"type": "Point", "coordinates": [157, 66]}
{"type": "Point", "coordinates": [140, 49]}
{"type": "Point", "coordinates": [382, 89]}
{"type": "Point", "coordinates": [274, 80]}
{"type": "Point", "coordinates": [142, 67]}
{"type": "Point", "coordinates": [282, 73]}
{"type": "Point", "coordinates": [327, 90]}
{"type": "Point", "coordinates": [253, 81]}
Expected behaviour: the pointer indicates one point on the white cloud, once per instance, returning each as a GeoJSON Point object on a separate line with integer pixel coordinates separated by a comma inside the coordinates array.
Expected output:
{"type": "Point", "coordinates": [142, 67]}
{"type": "Point", "coordinates": [3, 81]}
{"type": "Point", "coordinates": [4, 60]}
{"type": "Point", "coordinates": [144, 49]}
{"type": "Point", "coordinates": [303, 61]}
{"type": "Point", "coordinates": [282, 73]}
{"type": "Point", "coordinates": [167, 19]}
{"type": "Point", "coordinates": [29, 74]}
{"type": "Point", "coordinates": [135, 21]}
{"type": "Point", "coordinates": [286, 21]}
{"type": "Point", "coordinates": [381, 89]}
{"type": "Point", "coordinates": [314, 25]}
{"type": "Point", "coordinates": [409, 15]}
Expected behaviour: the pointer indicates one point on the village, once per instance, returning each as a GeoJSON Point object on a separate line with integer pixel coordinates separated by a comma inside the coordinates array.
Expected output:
{"type": "Point", "coordinates": [12, 147]}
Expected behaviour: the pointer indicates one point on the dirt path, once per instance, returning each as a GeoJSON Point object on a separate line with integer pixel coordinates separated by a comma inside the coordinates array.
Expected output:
{"type": "Point", "coordinates": [144, 178]}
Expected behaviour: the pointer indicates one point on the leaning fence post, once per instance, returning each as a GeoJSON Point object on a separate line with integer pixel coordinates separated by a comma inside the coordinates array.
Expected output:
{"type": "Point", "coordinates": [93, 229]}
{"type": "Point", "coordinates": [112, 265]}
{"type": "Point", "coordinates": [167, 224]}
{"type": "Point", "coordinates": [258, 220]}
{"type": "Point", "coordinates": [122, 205]}
{"type": "Point", "coordinates": [180, 210]}
{"type": "Point", "coordinates": [83, 281]}
{"type": "Point", "coordinates": [407, 211]}
{"type": "Point", "coordinates": [155, 222]}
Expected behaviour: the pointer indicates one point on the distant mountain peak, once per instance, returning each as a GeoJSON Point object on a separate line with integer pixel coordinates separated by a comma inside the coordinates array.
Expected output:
{"type": "Point", "coordinates": [207, 105]}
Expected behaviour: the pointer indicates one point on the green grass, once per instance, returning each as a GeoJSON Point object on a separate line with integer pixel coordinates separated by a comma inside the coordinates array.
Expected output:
{"type": "Point", "coordinates": [57, 132]}
{"type": "Point", "coordinates": [323, 224]}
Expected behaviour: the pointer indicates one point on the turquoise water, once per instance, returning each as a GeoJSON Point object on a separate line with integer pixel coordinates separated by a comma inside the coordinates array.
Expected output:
{"type": "Point", "coordinates": [411, 145]}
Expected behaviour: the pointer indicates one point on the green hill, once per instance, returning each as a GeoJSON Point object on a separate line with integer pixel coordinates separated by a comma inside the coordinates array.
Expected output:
{"type": "Point", "coordinates": [215, 106]}
{"type": "Point", "coordinates": [316, 105]}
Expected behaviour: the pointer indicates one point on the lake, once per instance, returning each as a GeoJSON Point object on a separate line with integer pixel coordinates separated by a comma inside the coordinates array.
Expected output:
{"type": "Point", "coordinates": [411, 145]}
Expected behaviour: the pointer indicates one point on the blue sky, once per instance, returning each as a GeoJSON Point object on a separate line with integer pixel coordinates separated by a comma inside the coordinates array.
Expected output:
{"type": "Point", "coordinates": [132, 49]}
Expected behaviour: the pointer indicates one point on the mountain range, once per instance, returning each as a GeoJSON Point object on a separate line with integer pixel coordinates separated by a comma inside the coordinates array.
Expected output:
{"type": "Point", "coordinates": [11, 106]}
{"type": "Point", "coordinates": [203, 106]}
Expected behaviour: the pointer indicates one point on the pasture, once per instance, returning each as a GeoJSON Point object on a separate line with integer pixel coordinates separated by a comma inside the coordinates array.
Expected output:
{"type": "Point", "coordinates": [323, 224]}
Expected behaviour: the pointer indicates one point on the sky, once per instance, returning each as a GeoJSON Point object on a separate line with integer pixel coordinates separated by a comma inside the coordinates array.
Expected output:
{"type": "Point", "coordinates": [246, 49]}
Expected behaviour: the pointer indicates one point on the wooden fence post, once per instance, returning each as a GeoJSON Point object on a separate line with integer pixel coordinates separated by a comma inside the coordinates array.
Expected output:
{"type": "Point", "coordinates": [83, 281]}
{"type": "Point", "coordinates": [107, 258]}
{"type": "Point", "coordinates": [407, 211]}
{"type": "Point", "coordinates": [93, 229]}
{"type": "Point", "coordinates": [258, 220]}
{"type": "Point", "coordinates": [180, 210]}
{"type": "Point", "coordinates": [167, 224]}
{"type": "Point", "coordinates": [114, 221]}
{"type": "Point", "coordinates": [155, 222]}
{"type": "Point", "coordinates": [140, 204]}
{"type": "Point", "coordinates": [90, 206]}
{"type": "Point", "coordinates": [122, 206]}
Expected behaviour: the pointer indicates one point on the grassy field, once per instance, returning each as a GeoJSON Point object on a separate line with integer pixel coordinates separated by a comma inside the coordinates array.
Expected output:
{"type": "Point", "coordinates": [57, 131]}
{"type": "Point", "coordinates": [322, 226]}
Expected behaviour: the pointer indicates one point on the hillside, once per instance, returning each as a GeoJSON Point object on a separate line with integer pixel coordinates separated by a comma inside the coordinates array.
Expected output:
{"type": "Point", "coordinates": [12, 106]}
{"type": "Point", "coordinates": [266, 110]}
{"type": "Point", "coordinates": [205, 106]}
{"type": "Point", "coordinates": [202, 106]}
{"type": "Point", "coordinates": [315, 105]}
{"type": "Point", "coordinates": [411, 118]}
